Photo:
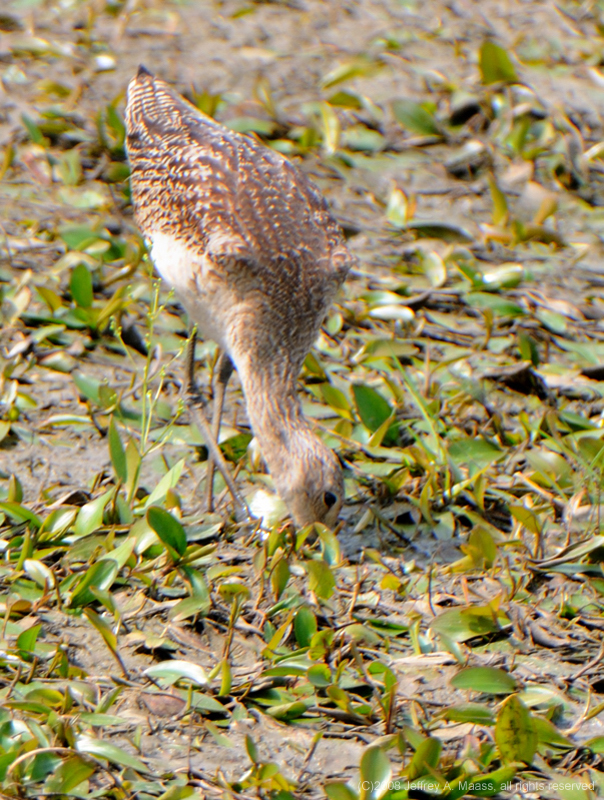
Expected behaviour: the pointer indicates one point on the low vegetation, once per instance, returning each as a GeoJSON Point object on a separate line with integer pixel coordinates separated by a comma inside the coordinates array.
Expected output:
{"type": "Point", "coordinates": [446, 641]}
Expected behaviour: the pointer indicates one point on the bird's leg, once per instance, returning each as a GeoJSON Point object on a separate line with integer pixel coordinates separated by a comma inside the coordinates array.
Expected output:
{"type": "Point", "coordinates": [196, 407]}
{"type": "Point", "coordinates": [224, 369]}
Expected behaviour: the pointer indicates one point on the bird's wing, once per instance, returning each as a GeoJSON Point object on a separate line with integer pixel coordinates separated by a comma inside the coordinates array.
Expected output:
{"type": "Point", "coordinates": [224, 191]}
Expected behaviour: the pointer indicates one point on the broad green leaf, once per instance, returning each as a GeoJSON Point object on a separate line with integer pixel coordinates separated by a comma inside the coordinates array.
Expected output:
{"type": "Point", "coordinates": [26, 641]}
{"type": "Point", "coordinates": [336, 399]}
{"type": "Point", "coordinates": [434, 268]}
{"type": "Point", "coordinates": [321, 579]}
{"type": "Point", "coordinates": [320, 675]}
{"type": "Point", "coordinates": [305, 626]}
{"type": "Point", "coordinates": [461, 624]}
{"type": "Point", "coordinates": [515, 731]}
{"type": "Point", "coordinates": [488, 785]}
{"type": "Point", "coordinates": [470, 712]}
{"type": "Point", "coordinates": [549, 736]}
{"type": "Point", "coordinates": [375, 773]}
{"type": "Point", "coordinates": [110, 752]}
{"type": "Point", "coordinates": [120, 554]}
{"type": "Point", "coordinates": [338, 790]}
{"type": "Point", "coordinates": [68, 775]}
{"type": "Point", "coordinates": [287, 711]}
{"type": "Point", "coordinates": [475, 452]}
{"type": "Point", "coordinates": [331, 129]}
{"type": "Point", "coordinates": [169, 481]}
{"type": "Point", "coordinates": [19, 513]}
{"type": "Point", "coordinates": [426, 756]}
{"type": "Point", "coordinates": [495, 64]}
{"type": "Point", "coordinates": [500, 205]}
{"type": "Point", "coordinates": [501, 305]}
{"type": "Point", "coordinates": [88, 386]}
{"type": "Point", "coordinates": [80, 286]}
{"type": "Point", "coordinates": [372, 408]}
{"type": "Point", "coordinates": [78, 237]}
{"type": "Point", "coordinates": [190, 606]}
{"type": "Point", "coordinates": [426, 229]}
{"type": "Point", "coordinates": [415, 117]}
{"type": "Point", "coordinates": [280, 575]}
{"type": "Point", "coordinates": [168, 529]}
{"type": "Point", "coordinates": [490, 680]}
{"type": "Point", "coordinates": [90, 516]}
{"type": "Point", "coordinates": [100, 575]}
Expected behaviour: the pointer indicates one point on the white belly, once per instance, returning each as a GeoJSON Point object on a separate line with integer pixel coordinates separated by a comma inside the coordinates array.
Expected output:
{"type": "Point", "coordinates": [206, 303]}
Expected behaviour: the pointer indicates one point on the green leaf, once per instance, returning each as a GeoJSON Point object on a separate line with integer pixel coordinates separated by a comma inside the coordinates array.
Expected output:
{"type": "Point", "coordinates": [595, 744]}
{"type": "Point", "coordinates": [26, 641]}
{"type": "Point", "coordinates": [80, 286]}
{"type": "Point", "coordinates": [426, 756]}
{"type": "Point", "coordinates": [415, 117]}
{"type": "Point", "coordinates": [549, 735]}
{"type": "Point", "coordinates": [117, 452]}
{"type": "Point", "coordinates": [475, 453]}
{"type": "Point", "coordinates": [280, 574]}
{"type": "Point", "coordinates": [252, 750]}
{"type": "Point", "coordinates": [78, 237]}
{"type": "Point", "coordinates": [338, 790]}
{"type": "Point", "coordinates": [490, 680]}
{"type": "Point", "coordinates": [35, 134]}
{"type": "Point", "coordinates": [169, 481]}
{"type": "Point", "coordinates": [321, 579]}
{"type": "Point", "coordinates": [90, 516]}
{"type": "Point", "coordinates": [103, 628]}
{"type": "Point", "coordinates": [495, 64]}
{"type": "Point", "coordinates": [372, 408]}
{"type": "Point", "coordinates": [190, 606]}
{"type": "Point", "coordinates": [305, 626]}
{"type": "Point", "coordinates": [320, 675]}
{"type": "Point", "coordinates": [40, 573]}
{"type": "Point", "coordinates": [336, 399]}
{"type": "Point", "coordinates": [500, 204]}
{"type": "Point", "coordinates": [426, 229]}
{"type": "Point", "coordinates": [470, 712]}
{"type": "Point", "coordinates": [21, 514]}
{"type": "Point", "coordinates": [375, 773]}
{"type": "Point", "coordinates": [110, 752]}
{"type": "Point", "coordinates": [515, 732]}
{"type": "Point", "coordinates": [100, 575]}
{"type": "Point", "coordinates": [287, 711]}
{"type": "Point", "coordinates": [68, 775]}
{"type": "Point", "coordinates": [87, 386]}
{"type": "Point", "coordinates": [501, 305]}
{"type": "Point", "coordinates": [169, 530]}
{"type": "Point", "coordinates": [461, 624]}
{"type": "Point", "coordinates": [488, 785]}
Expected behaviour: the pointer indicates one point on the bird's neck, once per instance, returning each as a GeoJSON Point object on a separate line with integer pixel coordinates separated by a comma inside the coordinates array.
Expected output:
{"type": "Point", "coordinates": [275, 413]}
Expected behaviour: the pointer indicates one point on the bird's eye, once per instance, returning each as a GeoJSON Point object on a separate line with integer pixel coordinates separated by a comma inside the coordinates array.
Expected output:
{"type": "Point", "coordinates": [329, 499]}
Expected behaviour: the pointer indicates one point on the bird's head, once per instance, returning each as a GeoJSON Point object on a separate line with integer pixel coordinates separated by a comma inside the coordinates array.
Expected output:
{"type": "Point", "coordinates": [312, 487]}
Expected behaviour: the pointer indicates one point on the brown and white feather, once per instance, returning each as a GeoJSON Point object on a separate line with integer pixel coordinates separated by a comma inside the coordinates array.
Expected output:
{"type": "Point", "coordinates": [252, 250]}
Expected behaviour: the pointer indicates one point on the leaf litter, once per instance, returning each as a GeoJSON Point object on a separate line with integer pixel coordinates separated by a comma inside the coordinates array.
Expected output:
{"type": "Point", "coordinates": [448, 638]}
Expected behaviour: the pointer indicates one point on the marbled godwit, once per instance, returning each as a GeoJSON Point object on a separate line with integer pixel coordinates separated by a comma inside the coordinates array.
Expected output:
{"type": "Point", "coordinates": [256, 259]}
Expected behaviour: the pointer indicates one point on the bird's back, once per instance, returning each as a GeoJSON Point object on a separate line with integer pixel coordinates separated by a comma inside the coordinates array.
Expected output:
{"type": "Point", "coordinates": [226, 194]}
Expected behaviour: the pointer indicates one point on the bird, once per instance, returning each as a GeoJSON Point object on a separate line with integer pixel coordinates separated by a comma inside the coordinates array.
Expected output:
{"type": "Point", "coordinates": [253, 253]}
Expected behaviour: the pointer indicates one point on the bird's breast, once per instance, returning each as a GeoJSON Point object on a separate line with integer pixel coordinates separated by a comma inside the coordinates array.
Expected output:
{"type": "Point", "coordinates": [189, 272]}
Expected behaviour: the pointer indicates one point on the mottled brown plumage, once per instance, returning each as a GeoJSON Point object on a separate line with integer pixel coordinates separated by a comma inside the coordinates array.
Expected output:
{"type": "Point", "coordinates": [256, 258]}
